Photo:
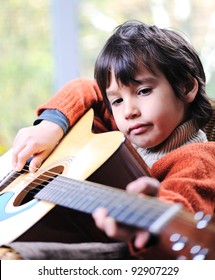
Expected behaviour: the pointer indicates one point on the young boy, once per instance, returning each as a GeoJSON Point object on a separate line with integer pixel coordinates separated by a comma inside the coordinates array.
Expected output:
{"type": "Point", "coordinates": [150, 84]}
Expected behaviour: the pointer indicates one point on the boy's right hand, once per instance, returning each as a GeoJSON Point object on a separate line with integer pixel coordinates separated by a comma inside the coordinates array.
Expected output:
{"type": "Point", "coordinates": [37, 141]}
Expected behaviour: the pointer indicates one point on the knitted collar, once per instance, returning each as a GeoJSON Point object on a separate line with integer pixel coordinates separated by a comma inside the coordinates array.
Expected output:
{"type": "Point", "coordinates": [184, 134]}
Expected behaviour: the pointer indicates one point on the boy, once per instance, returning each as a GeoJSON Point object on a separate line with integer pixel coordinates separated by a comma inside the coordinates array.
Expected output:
{"type": "Point", "coordinates": [150, 84]}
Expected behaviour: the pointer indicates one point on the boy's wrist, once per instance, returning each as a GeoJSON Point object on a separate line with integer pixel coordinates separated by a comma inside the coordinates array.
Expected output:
{"type": "Point", "coordinates": [54, 116]}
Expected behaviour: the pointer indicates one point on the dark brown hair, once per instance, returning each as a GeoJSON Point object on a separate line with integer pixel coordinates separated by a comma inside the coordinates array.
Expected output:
{"type": "Point", "coordinates": [135, 43]}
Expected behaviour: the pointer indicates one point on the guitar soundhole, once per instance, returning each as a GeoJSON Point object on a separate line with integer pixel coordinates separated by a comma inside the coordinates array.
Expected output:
{"type": "Point", "coordinates": [28, 193]}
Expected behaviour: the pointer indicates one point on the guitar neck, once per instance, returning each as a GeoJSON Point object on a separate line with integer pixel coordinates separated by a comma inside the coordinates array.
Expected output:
{"type": "Point", "coordinates": [129, 209]}
{"type": "Point", "coordinates": [179, 233]}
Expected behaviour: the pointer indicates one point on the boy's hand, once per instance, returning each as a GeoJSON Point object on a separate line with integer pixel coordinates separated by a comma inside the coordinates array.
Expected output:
{"type": "Point", "coordinates": [141, 186]}
{"type": "Point", "coordinates": [37, 141]}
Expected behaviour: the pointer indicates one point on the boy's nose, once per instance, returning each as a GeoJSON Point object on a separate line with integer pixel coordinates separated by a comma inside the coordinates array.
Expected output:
{"type": "Point", "coordinates": [131, 110]}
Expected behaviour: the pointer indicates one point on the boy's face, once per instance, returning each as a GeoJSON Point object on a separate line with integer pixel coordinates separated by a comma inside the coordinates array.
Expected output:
{"type": "Point", "coordinates": [147, 111]}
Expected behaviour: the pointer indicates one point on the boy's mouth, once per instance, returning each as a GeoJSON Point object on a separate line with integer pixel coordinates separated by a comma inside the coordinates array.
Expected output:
{"type": "Point", "coordinates": [138, 129]}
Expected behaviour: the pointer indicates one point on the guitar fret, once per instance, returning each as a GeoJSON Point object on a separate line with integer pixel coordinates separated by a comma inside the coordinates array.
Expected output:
{"type": "Point", "coordinates": [90, 205]}
{"type": "Point", "coordinates": [90, 195]}
{"type": "Point", "coordinates": [130, 215]}
{"type": "Point", "coordinates": [97, 197]}
{"type": "Point", "coordinates": [145, 221]}
{"type": "Point", "coordinates": [141, 217]}
{"type": "Point", "coordinates": [78, 194]}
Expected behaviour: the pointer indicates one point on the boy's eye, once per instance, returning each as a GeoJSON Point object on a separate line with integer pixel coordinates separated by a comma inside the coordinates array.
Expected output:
{"type": "Point", "coordinates": [116, 101]}
{"type": "Point", "coordinates": [144, 91]}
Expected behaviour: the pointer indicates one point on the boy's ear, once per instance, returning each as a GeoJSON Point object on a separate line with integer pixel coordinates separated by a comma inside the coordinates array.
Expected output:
{"type": "Point", "coordinates": [191, 90]}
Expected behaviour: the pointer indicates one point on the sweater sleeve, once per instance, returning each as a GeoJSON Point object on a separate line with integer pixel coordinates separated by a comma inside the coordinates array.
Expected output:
{"type": "Point", "coordinates": [77, 97]}
{"type": "Point", "coordinates": [54, 116]}
{"type": "Point", "coordinates": [187, 176]}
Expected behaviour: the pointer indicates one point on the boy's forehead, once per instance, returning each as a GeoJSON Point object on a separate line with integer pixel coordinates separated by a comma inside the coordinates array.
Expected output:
{"type": "Point", "coordinates": [142, 76]}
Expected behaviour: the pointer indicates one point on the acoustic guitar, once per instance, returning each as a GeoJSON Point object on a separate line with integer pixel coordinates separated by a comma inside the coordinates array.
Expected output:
{"type": "Point", "coordinates": [86, 171]}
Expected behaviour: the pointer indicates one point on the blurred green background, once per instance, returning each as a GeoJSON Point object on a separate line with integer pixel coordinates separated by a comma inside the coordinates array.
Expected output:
{"type": "Point", "coordinates": [35, 33]}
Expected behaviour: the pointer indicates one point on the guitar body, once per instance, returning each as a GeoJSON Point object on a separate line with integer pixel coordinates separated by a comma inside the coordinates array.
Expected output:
{"type": "Point", "coordinates": [105, 158]}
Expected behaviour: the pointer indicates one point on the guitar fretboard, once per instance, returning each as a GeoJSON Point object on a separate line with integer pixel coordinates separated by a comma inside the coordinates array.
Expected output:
{"type": "Point", "coordinates": [138, 211]}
